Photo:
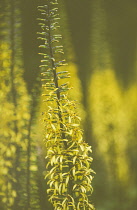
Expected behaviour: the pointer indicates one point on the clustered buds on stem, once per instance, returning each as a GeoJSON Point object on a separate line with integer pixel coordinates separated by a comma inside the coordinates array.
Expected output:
{"type": "Point", "coordinates": [68, 161]}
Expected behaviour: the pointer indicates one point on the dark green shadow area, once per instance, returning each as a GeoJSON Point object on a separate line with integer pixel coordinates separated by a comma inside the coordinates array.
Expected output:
{"type": "Point", "coordinates": [121, 17]}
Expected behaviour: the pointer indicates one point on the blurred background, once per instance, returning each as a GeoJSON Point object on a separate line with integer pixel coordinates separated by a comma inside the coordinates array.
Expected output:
{"type": "Point", "coordinates": [100, 45]}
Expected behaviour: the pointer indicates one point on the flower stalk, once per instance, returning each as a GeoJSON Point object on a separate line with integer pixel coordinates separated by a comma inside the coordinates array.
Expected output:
{"type": "Point", "coordinates": [68, 161]}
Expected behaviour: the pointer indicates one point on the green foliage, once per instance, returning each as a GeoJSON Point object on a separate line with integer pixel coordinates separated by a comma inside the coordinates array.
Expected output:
{"type": "Point", "coordinates": [91, 48]}
{"type": "Point", "coordinates": [110, 122]}
{"type": "Point", "coordinates": [16, 120]}
{"type": "Point", "coordinates": [13, 141]}
{"type": "Point", "coordinates": [68, 160]}
{"type": "Point", "coordinates": [114, 119]}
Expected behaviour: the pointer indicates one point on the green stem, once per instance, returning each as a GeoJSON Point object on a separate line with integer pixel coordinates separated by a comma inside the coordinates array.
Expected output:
{"type": "Point", "coordinates": [58, 97]}
{"type": "Point", "coordinates": [14, 98]}
{"type": "Point", "coordinates": [55, 79]}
